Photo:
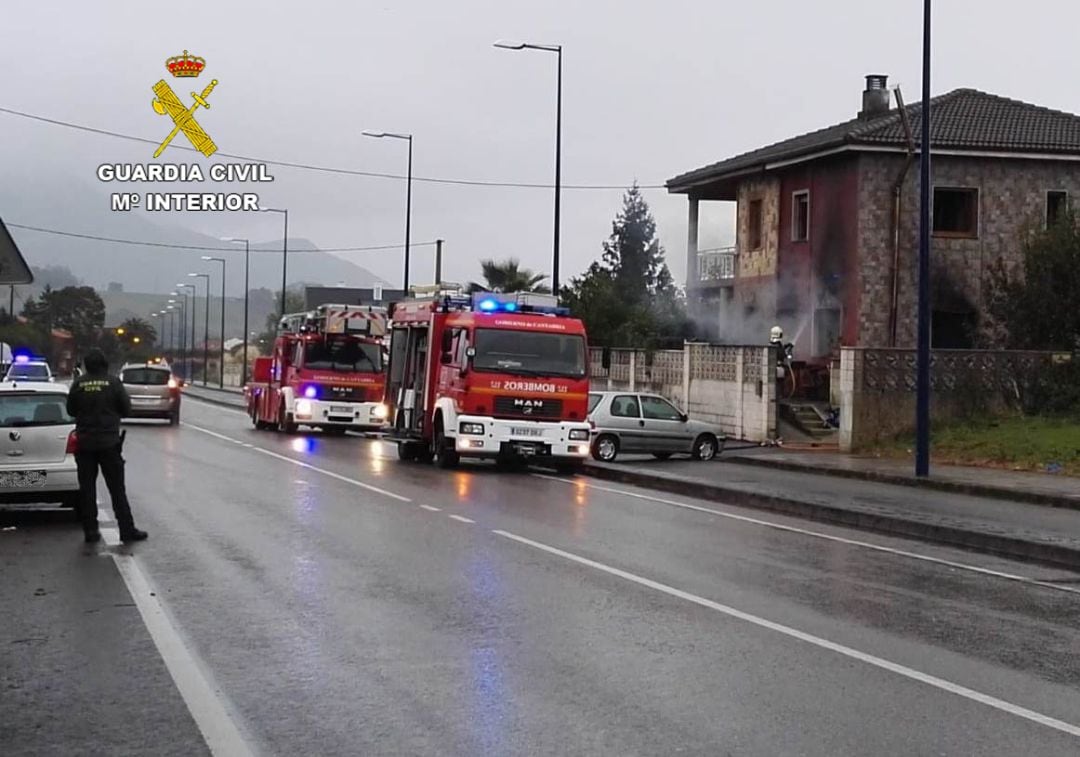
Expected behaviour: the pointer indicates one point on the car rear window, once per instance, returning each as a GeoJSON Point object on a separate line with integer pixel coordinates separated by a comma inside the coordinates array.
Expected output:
{"type": "Point", "coordinates": [30, 371]}
{"type": "Point", "coordinates": [36, 409]}
{"type": "Point", "coordinates": [594, 400]}
{"type": "Point", "coordinates": [145, 376]}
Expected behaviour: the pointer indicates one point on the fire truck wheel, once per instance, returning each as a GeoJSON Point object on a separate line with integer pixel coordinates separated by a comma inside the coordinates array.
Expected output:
{"type": "Point", "coordinates": [605, 448]}
{"type": "Point", "coordinates": [286, 425]}
{"type": "Point", "coordinates": [445, 454]}
{"type": "Point", "coordinates": [406, 451]}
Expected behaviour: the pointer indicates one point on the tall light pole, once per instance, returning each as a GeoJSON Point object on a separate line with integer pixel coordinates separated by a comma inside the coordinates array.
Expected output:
{"type": "Point", "coordinates": [557, 49]}
{"type": "Point", "coordinates": [183, 330]}
{"type": "Point", "coordinates": [408, 196]}
{"type": "Point", "coordinates": [221, 366]}
{"type": "Point", "coordinates": [191, 342]}
{"type": "Point", "coordinates": [284, 252]}
{"type": "Point", "coordinates": [247, 287]}
{"type": "Point", "coordinates": [206, 325]}
{"type": "Point", "coordinates": [170, 312]}
{"type": "Point", "coordinates": [922, 380]}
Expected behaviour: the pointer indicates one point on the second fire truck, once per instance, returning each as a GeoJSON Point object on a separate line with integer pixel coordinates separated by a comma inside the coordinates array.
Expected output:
{"type": "Point", "coordinates": [326, 372]}
{"type": "Point", "coordinates": [501, 376]}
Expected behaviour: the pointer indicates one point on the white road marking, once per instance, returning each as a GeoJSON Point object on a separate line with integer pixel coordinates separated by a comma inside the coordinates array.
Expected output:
{"type": "Point", "coordinates": [462, 518]}
{"type": "Point", "coordinates": [820, 535]}
{"type": "Point", "coordinates": [869, 659]}
{"type": "Point", "coordinates": [301, 464]}
{"type": "Point", "coordinates": [203, 698]}
{"type": "Point", "coordinates": [431, 508]}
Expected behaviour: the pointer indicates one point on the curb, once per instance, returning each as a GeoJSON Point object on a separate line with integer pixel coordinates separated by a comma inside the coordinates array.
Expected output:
{"type": "Point", "coordinates": [952, 487]}
{"type": "Point", "coordinates": [1023, 549]}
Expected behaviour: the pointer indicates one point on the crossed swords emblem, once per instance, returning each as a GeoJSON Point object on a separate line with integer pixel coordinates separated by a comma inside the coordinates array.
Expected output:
{"type": "Point", "coordinates": [166, 102]}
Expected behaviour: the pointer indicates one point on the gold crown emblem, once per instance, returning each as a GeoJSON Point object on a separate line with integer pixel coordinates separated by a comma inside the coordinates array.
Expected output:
{"type": "Point", "coordinates": [185, 65]}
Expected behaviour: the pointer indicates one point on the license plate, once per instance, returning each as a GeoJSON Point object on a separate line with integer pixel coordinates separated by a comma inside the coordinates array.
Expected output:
{"type": "Point", "coordinates": [526, 431]}
{"type": "Point", "coordinates": [22, 479]}
{"type": "Point", "coordinates": [341, 409]}
{"type": "Point", "coordinates": [144, 400]}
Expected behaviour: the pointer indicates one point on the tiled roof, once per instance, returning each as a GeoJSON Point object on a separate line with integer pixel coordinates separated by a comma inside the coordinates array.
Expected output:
{"type": "Point", "coordinates": [964, 119]}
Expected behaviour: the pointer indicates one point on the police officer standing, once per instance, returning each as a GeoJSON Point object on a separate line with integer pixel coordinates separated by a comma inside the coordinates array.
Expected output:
{"type": "Point", "coordinates": [97, 402]}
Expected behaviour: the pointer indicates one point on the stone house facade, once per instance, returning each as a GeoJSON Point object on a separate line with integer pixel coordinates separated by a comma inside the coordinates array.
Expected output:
{"type": "Point", "coordinates": [827, 223]}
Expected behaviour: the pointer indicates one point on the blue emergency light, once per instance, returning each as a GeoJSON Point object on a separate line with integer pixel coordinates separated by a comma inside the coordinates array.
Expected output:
{"type": "Point", "coordinates": [311, 391]}
{"type": "Point", "coordinates": [22, 357]}
{"type": "Point", "coordinates": [517, 302]}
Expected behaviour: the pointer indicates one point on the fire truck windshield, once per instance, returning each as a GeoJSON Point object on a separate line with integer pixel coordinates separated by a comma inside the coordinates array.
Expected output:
{"type": "Point", "coordinates": [529, 353]}
{"type": "Point", "coordinates": [342, 354]}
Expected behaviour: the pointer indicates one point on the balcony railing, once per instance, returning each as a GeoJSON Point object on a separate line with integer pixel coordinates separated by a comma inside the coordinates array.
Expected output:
{"type": "Point", "coordinates": [717, 264]}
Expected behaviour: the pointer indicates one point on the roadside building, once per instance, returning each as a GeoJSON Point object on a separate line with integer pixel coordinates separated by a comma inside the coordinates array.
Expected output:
{"type": "Point", "coordinates": [827, 222]}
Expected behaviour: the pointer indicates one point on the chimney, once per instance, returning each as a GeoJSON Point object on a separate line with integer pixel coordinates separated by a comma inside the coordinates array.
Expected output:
{"type": "Point", "coordinates": [875, 98]}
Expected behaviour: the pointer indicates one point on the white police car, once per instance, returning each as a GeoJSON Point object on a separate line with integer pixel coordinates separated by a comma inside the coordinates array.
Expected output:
{"type": "Point", "coordinates": [37, 445]}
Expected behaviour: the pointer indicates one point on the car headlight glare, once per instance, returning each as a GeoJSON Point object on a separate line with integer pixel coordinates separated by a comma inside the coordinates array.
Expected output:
{"type": "Point", "coordinates": [476, 429]}
{"type": "Point", "coordinates": [303, 407]}
{"type": "Point", "coordinates": [579, 435]}
{"type": "Point", "coordinates": [380, 411]}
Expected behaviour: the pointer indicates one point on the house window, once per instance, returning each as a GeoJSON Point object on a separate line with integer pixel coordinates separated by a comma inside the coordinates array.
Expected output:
{"type": "Point", "coordinates": [800, 216]}
{"type": "Point", "coordinates": [754, 234]}
{"type": "Point", "coordinates": [956, 212]}
{"type": "Point", "coordinates": [1057, 205]}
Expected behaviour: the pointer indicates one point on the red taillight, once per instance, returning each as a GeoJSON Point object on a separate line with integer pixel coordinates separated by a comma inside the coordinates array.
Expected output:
{"type": "Point", "coordinates": [72, 444]}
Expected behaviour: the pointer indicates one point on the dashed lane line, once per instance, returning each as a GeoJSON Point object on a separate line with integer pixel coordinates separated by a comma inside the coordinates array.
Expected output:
{"type": "Point", "coordinates": [817, 641]}
{"type": "Point", "coordinates": [431, 508]}
{"type": "Point", "coordinates": [819, 535]}
{"type": "Point", "coordinates": [299, 463]}
{"type": "Point", "coordinates": [462, 519]}
{"type": "Point", "coordinates": [204, 699]}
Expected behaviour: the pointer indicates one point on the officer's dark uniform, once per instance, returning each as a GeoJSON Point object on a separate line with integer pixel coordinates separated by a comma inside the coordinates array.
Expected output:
{"type": "Point", "coordinates": [98, 401]}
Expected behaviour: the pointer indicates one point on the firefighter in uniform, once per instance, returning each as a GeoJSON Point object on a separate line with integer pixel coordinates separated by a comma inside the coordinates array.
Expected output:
{"type": "Point", "coordinates": [97, 402]}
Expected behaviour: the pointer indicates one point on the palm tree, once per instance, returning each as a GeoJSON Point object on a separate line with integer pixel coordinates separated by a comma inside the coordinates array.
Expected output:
{"type": "Point", "coordinates": [508, 276]}
{"type": "Point", "coordinates": [137, 331]}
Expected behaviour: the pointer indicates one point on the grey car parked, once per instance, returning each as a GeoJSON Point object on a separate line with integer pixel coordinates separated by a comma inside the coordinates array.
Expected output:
{"type": "Point", "coordinates": [643, 422]}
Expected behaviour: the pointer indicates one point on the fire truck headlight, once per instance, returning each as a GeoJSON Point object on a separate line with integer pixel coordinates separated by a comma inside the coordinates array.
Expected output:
{"type": "Point", "coordinates": [380, 411]}
{"type": "Point", "coordinates": [578, 435]}
{"type": "Point", "coordinates": [476, 429]}
{"type": "Point", "coordinates": [311, 392]}
{"type": "Point", "coordinates": [303, 407]}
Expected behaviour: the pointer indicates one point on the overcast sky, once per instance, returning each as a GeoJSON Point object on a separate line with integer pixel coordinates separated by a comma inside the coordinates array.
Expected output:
{"type": "Point", "coordinates": [650, 89]}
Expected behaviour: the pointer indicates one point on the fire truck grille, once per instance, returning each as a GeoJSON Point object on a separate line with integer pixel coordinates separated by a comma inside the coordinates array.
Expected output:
{"type": "Point", "coordinates": [528, 407]}
{"type": "Point", "coordinates": [349, 393]}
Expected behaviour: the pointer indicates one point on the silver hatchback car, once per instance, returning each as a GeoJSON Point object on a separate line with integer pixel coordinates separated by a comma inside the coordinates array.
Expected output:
{"type": "Point", "coordinates": [37, 445]}
{"type": "Point", "coordinates": [643, 422]}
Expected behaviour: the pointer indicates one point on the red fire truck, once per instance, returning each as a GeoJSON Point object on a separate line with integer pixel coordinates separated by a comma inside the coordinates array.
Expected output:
{"type": "Point", "coordinates": [326, 372]}
{"type": "Point", "coordinates": [490, 375]}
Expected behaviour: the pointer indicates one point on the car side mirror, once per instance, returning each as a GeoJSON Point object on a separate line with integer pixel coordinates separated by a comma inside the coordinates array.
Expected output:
{"type": "Point", "coordinates": [684, 417]}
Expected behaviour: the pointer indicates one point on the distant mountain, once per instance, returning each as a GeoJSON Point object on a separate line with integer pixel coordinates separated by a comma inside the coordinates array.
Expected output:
{"type": "Point", "coordinates": [56, 202]}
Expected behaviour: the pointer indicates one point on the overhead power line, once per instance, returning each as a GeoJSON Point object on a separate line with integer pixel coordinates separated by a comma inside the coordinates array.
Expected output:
{"type": "Point", "coordinates": [230, 248]}
{"type": "Point", "coordinates": [325, 169]}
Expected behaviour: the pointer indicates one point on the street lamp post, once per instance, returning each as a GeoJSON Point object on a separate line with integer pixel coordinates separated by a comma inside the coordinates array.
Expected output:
{"type": "Point", "coordinates": [191, 342]}
{"type": "Point", "coordinates": [206, 325]}
{"type": "Point", "coordinates": [284, 252]}
{"type": "Point", "coordinates": [183, 330]}
{"type": "Point", "coordinates": [247, 272]}
{"type": "Point", "coordinates": [922, 378]}
{"type": "Point", "coordinates": [557, 49]}
{"type": "Point", "coordinates": [408, 196]}
{"type": "Point", "coordinates": [221, 366]}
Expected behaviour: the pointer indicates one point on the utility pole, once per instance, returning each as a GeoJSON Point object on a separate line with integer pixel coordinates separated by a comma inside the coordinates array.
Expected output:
{"type": "Point", "coordinates": [922, 382]}
{"type": "Point", "coordinates": [438, 262]}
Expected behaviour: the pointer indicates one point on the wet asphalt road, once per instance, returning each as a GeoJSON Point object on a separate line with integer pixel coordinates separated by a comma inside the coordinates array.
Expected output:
{"type": "Point", "coordinates": [346, 603]}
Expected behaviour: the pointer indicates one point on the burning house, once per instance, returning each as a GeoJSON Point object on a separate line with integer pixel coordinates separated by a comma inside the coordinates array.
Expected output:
{"type": "Point", "coordinates": [827, 222]}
